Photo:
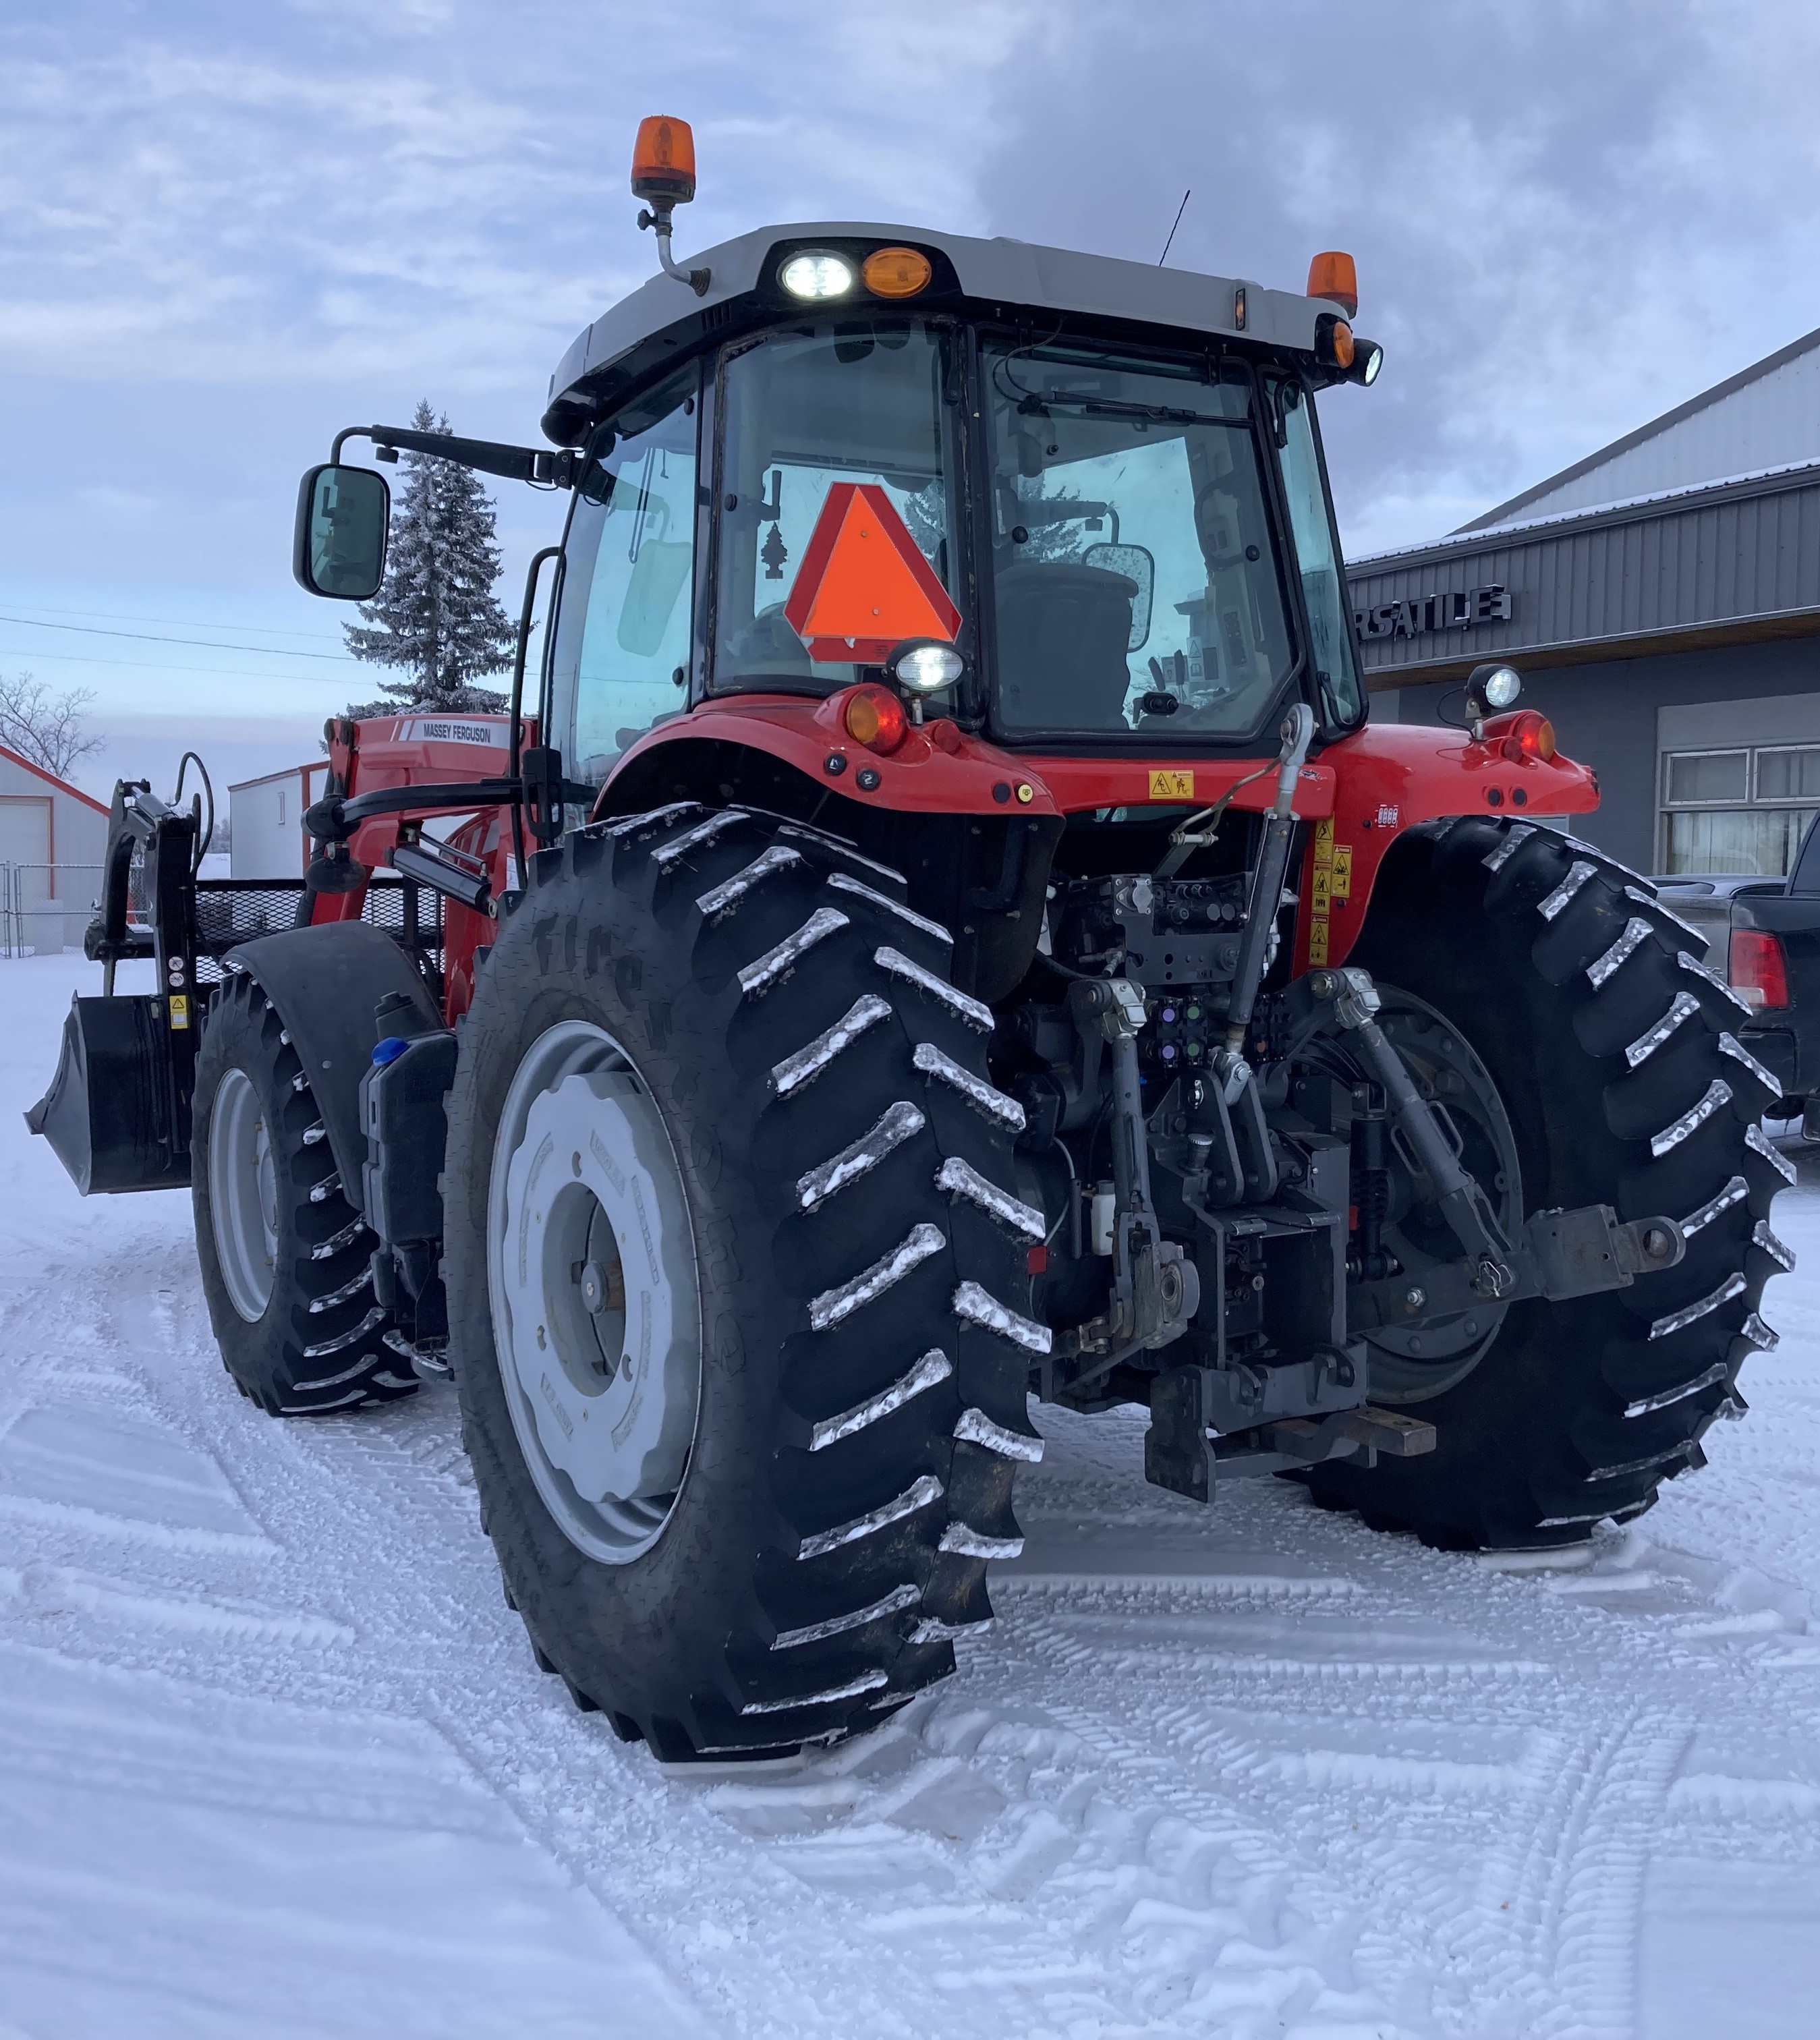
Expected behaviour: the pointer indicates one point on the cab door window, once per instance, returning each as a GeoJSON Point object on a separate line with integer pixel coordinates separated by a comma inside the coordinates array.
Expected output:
{"type": "Point", "coordinates": [626, 627]}
{"type": "Point", "coordinates": [803, 412]}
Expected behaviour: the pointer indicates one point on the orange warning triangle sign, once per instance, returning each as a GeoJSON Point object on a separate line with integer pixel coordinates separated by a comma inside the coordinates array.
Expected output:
{"type": "Point", "coordinates": [864, 585]}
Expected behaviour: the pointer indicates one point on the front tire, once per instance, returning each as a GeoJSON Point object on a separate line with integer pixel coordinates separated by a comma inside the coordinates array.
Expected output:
{"type": "Point", "coordinates": [285, 1259]}
{"type": "Point", "coordinates": [1613, 1052]}
{"type": "Point", "coordinates": [811, 1342]}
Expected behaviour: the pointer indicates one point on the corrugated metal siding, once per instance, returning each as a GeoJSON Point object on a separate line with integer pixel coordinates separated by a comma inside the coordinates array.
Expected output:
{"type": "Point", "coordinates": [1705, 560]}
{"type": "Point", "coordinates": [1769, 423]}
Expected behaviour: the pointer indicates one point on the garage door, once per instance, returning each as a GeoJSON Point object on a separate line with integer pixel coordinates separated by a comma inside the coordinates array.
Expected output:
{"type": "Point", "coordinates": [25, 829]}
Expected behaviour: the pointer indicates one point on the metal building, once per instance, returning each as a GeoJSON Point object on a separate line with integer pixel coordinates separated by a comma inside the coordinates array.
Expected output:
{"type": "Point", "coordinates": [1662, 599]}
{"type": "Point", "coordinates": [51, 839]}
{"type": "Point", "coordinates": [266, 834]}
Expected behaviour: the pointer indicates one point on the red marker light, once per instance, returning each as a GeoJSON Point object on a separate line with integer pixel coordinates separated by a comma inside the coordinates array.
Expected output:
{"type": "Point", "coordinates": [1528, 737]}
{"type": "Point", "coordinates": [1757, 968]}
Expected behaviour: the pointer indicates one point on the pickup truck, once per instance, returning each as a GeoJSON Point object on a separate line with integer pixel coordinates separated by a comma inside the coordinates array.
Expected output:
{"type": "Point", "coordinates": [1763, 937]}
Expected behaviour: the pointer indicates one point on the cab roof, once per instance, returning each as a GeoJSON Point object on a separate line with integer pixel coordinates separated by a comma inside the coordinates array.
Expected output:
{"type": "Point", "coordinates": [664, 319]}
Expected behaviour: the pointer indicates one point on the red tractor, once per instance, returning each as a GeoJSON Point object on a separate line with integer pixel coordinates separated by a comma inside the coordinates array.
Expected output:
{"type": "Point", "coordinates": [947, 933]}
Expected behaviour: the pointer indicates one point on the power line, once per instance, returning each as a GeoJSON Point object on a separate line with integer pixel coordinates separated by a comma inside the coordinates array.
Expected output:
{"type": "Point", "coordinates": [153, 666]}
{"type": "Point", "coordinates": [149, 637]}
{"type": "Point", "coordinates": [181, 622]}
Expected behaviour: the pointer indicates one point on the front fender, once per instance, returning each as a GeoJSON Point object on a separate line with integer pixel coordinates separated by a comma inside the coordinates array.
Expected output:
{"type": "Point", "coordinates": [323, 983]}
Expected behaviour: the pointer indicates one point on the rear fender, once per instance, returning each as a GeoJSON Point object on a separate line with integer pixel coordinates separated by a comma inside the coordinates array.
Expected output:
{"type": "Point", "coordinates": [324, 982]}
{"type": "Point", "coordinates": [1392, 777]}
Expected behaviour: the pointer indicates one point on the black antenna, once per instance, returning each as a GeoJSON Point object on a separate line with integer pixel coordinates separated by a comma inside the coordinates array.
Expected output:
{"type": "Point", "coordinates": [1170, 243]}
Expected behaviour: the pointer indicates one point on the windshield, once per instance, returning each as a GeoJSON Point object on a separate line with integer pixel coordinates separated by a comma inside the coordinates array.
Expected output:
{"type": "Point", "coordinates": [804, 411]}
{"type": "Point", "coordinates": [1134, 566]}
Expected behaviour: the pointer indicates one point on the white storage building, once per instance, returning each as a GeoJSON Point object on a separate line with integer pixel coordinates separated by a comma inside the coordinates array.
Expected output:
{"type": "Point", "coordinates": [52, 838]}
{"type": "Point", "coordinates": [266, 818]}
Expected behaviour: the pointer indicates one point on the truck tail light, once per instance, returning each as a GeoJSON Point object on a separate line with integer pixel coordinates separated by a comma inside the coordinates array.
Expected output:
{"type": "Point", "coordinates": [874, 717]}
{"type": "Point", "coordinates": [1758, 969]}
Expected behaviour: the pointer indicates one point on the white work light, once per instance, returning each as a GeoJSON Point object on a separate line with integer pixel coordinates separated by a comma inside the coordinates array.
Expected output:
{"type": "Point", "coordinates": [817, 275]}
{"type": "Point", "coordinates": [927, 668]}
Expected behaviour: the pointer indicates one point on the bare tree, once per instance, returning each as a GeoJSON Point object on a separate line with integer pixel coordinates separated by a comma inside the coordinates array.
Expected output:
{"type": "Point", "coordinates": [44, 727]}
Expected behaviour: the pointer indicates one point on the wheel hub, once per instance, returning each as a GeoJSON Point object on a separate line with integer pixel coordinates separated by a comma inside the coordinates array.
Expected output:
{"type": "Point", "coordinates": [594, 1301]}
{"type": "Point", "coordinates": [243, 1195]}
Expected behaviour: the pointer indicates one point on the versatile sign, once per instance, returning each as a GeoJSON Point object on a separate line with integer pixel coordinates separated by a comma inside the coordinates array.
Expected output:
{"type": "Point", "coordinates": [864, 585]}
{"type": "Point", "coordinates": [1462, 610]}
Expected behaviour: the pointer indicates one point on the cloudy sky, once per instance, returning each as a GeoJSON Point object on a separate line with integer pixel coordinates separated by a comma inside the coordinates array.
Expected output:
{"type": "Point", "coordinates": [226, 230]}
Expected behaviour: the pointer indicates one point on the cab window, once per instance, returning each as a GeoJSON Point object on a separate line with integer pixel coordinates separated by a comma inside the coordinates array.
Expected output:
{"type": "Point", "coordinates": [860, 403]}
{"type": "Point", "coordinates": [624, 631]}
{"type": "Point", "coordinates": [1135, 569]}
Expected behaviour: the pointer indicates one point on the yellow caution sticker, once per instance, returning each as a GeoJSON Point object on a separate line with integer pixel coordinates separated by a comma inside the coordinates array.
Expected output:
{"type": "Point", "coordinates": [1321, 889]}
{"type": "Point", "coordinates": [1342, 886]}
{"type": "Point", "coordinates": [1172, 785]}
{"type": "Point", "coordinates": [179, 1005]}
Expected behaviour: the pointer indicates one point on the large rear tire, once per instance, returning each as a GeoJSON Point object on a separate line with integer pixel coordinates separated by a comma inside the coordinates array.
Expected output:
{"type": "Point", "coordinates": [285, 1259]}
{"type": "Point", "coordinates": [725, 1179]}
{"type": "Point", "coordinates": [1613, 1051]}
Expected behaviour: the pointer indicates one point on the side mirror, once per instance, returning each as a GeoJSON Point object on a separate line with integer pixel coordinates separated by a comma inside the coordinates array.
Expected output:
{"type": "Point", "coordinates": [339, 550]}
{"type": "Point", "coordinates": [1137, 563]}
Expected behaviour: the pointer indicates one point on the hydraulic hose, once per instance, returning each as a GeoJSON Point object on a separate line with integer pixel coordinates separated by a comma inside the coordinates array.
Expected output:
{"type": "Point", "coordinates": [1267, 887]}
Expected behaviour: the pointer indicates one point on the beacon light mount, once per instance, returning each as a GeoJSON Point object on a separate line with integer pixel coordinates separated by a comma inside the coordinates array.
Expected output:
{"type": "Point", "coordinates": [664, 176]}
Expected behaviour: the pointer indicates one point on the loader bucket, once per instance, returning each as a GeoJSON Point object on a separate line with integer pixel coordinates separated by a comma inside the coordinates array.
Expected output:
{"type": "Point", "coordinates": [109, 1111]}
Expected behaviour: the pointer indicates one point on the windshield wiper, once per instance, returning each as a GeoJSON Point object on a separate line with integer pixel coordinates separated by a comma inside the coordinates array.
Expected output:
{"type": "Point", "coordinates": [1115, 407]}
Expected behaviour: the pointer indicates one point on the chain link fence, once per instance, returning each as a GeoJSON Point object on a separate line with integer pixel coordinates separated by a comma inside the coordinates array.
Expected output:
{"type": "Point", "coordinates": [44, 908]}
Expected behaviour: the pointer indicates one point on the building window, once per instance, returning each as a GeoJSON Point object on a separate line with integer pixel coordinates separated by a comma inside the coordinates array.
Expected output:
{"type": "Point", "coordinates": [1738, 811]}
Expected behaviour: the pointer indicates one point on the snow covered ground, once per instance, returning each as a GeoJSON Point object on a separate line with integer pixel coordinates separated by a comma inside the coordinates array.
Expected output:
{"type": "Point", "coordinates": [275, 1759]}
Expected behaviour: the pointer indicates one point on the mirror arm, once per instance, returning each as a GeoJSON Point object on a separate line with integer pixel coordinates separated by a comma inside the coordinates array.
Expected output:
{"type": "Point", "coordinates": [560, 468]}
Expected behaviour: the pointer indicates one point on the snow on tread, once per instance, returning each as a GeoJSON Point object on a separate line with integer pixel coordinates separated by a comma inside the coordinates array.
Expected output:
{"type": "Point", "coordinates": [839, 881]}
{"type": "Point", "coordinates": [959, 1178]}
{"type": "Point", "coordinates": [718, 899]}
{"type": "Point", "coordinates": [809, 1061]}
{"type": "Point", "coordinates": [934, 1062]}
{"type": "Point", "coordinates": [978, 1306]}
{"type": "Point", "coordinates": [832, 1305]}
{"type": "Point", "coordinates": [758, 977]}
{"type": "Point", "coordinates": [974, 1011]}
{"type": "Point", "coordinates": [919, 1494]}
{"type": "Point", "coordinates": [933, 1366]}
{"type": "Point", "coordinates": [896, 1124]}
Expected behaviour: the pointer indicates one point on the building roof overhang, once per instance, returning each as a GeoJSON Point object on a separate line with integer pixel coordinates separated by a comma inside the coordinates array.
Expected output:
{"type": "Point", "coordinates": [1730, 562]}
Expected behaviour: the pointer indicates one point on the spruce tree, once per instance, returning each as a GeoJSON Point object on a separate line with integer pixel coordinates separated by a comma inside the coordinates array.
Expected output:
{"type": "Point", "coordinates": [435, 615]}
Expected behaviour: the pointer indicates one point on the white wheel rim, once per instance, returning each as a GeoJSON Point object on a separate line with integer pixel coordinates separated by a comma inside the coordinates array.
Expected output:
{"type": "Point", "coordinates": [591, 1275]}
{"type": "Point", "coordinates": [243, 1195]}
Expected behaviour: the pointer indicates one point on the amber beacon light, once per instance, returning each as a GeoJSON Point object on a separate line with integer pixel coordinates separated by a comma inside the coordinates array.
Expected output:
{"type": "Point", "coordinates": [1332, 275]}
{"type": "Point", "coordinates": [663, 160]}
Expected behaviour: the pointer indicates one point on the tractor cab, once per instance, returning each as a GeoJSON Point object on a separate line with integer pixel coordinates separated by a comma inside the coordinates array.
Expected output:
{"type": "Point", "coordinates": [930, 464]}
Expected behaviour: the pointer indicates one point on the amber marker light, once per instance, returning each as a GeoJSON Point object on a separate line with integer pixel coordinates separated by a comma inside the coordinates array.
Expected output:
{"type": "Point", "coordinates": [663, 160]}
{"type": "Point", "coordinates": [874, 717]}
{"type": "Point", "coordinates": [896, 272]}
{"type": "Point", "coordinates": [1333, 276]}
